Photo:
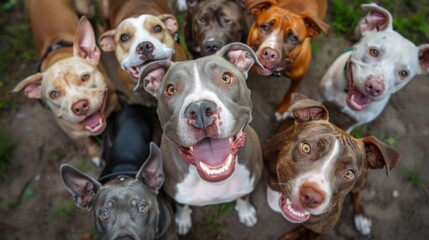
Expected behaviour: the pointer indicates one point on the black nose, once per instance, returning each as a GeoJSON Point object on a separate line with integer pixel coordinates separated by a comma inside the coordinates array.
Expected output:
{"type": "Point", "coordinates": [212, 46]}
{"type": "Point", "coordinates": [201, 113]}
{"type": "Point", "coordinates": [145, 48]}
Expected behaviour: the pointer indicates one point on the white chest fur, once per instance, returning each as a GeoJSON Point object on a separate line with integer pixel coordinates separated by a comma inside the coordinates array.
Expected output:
{"type": "Point", "coordinates": [197, 192]}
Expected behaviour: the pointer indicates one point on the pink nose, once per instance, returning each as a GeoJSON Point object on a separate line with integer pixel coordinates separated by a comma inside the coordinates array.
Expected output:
{"type": "Point", "coordinates": [374, 87]}
{"type": "Point", "coordinates": [270, 55]}
{"type": "Point", "coordinates": [311, 196]}
{"type": "Point", "coordinates": [80, 107]}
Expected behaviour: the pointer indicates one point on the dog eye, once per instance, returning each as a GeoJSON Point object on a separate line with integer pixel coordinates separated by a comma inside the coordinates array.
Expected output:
{"type": "Point", "coordinates": [157, 29]}
{"type": "Point", "coordinates": [227, 78]}
{"type": "Point", "coordinates": [85, 77]}
{"type": "Point", "coordinates": [349, 174]}
{"type": "Point", "coordinates": [170, 90]}
{"type": "Point", "coordinates": [403, 74]}
{"type": "Point", "coordinates": [202, 20]}
{"type": "Point", "coordinates": [142, 209]}
{"type": "Point", "coordinates": [373, 52]}
{"type": "Point", "coordinates": [293, 39]}
{"type": "Point", "coordinates": [54, 94]}
{"type": "Point", "coordinates": [125, 37]}
{"type": "Point", "coordinates": [306, 148]}
{"type": "Point", "coordinates": [265, 27]}
{"type": "Point", "coordinates": [226, 20]}
{"type": "Point", "coordinates": [104, 215]}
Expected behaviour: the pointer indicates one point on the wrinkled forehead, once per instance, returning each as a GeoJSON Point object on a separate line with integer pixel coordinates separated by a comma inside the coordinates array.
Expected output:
{"type": "Point", "coordinates": [70, 67]}
{"type": "Point", "coordinates": [217, 7]}
{"type": "Point", "coordinates": [125, 191]}
{"type": "Point", "coordinates": [391, 42]}
{"type": "Point", "coordinates": [145, 21]}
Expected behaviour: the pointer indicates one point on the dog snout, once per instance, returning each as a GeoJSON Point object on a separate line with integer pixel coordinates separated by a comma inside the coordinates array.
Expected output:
{"type": "Point", "coordinates": [374, 87]}
{"type": "Point", "coordinates": [145, 48]}
{"type": "Point", "coordinates": [212, 46]}
{"type": "Point", "coordinates": [80, 107]}
{"type": "Point", "coordinates": [201, 114]}
{"type": "Point", "coordinates": [269, 55]}
{"type": "Point", "coordinates": [311, 196]}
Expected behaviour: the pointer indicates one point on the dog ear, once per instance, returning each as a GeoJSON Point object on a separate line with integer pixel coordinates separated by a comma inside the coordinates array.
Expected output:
{"type": "Point", "coordinates": [106, 41]}
{"type": "Point", "coordinates": [151, 172]}
{"type": "Point", "coordinates": [258, 7]}
{"type": "Point", "coordinates": [305, 109]}
{"type": "Point", "coordinates": [241, 55]}
{"type": "Point", "coordinates": [379, 154]}
{"type": "Point", "coordinates": [32, 86]}
{"type": "Point", "coordinates": [424, 58]}
{"type": "Point", "coordinates": [191, 4]}
{"type": "Point", "coordinates": [82, 187]}
{"type": "Point", "coordinates": [378, 18]}
{"type": "Point", "coordinates": [314, 25]}
{"type": "Point", "coordinates": [170, 22]}
{"type": "Point", "coordinates": [84, 44]}
{"type": "Point", "coordinates": [152, 76]}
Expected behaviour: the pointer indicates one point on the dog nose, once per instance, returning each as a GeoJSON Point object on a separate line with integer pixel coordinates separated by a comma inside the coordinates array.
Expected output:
{"type": "Point", "coordinates": [145, 48]}
{"type": "Point", "coordinates": [80, 107]}
{"type": "Point", "coordinates": [201, 114]}
{"type": "Point", "coordinates": [374, 87]}
{"type": "Point", "coordinates": [269, 54]}
{"type": "Point", "coordinates": [311, 196]}
{"type": "Point", "coordinates": [212, 46]}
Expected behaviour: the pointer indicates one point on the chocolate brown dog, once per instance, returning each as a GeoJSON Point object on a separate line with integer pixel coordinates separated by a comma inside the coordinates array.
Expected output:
{"type": "Point", "coordinates": [312, 165]}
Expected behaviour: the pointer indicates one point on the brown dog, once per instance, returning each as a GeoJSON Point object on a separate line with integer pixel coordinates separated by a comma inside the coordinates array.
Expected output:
{"type": "Point", "coordinates": [142, 31]}
{"type": "Point", "coordinates": [312, 165]}
{"type": "Point", "coordinates": [281, 36]}
{"type": "Point", "coordinates": [71, 82]}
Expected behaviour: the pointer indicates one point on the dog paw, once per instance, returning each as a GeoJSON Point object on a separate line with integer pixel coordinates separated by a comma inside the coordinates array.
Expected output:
{"type": "Point", "coordinates": [246, 213]}
{"type": "Point", "coordinates": [183, 219]}
{"type": "Point", "coordinates": [363, 224]}
{"type": "Point", "coordinates": [282, 116]}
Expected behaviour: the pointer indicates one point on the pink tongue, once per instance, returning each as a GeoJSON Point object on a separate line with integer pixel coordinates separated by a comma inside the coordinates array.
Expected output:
{"type": "Point", "coordinates": [92, 121]}
{"type": "Point", "coordinates": [360, 99]}
{"type": "Point", "coordinates": [211, 151]}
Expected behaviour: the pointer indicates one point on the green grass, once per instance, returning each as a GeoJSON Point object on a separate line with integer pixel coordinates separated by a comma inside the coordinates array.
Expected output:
{"type": "Point", "coordinates": [415, 179]}
{"type": "Point", "coordinates": [364, 130]}
{"type": "Point", "coordinates": [216, 215]}
{"type": "Point", "coordinates": [61, 212]}
{"type": "Point", "coordinates": [7, 145]}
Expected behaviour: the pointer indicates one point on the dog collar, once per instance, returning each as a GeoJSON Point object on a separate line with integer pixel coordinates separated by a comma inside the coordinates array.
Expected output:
{"type": "Point", "coordinates": [121, 176]}
{"type": "Point", "coordinates": [58, 45]}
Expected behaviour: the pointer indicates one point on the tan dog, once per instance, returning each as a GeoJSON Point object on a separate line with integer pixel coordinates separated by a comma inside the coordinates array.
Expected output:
{"type": "Point", "coordinates": [312, 165]}
{"type": "Point", "coordinates": [143, 31]}
{"type": "Point", "coordinates": [281, 36]}
{"type": "Point", "coordinates": [71, 82]}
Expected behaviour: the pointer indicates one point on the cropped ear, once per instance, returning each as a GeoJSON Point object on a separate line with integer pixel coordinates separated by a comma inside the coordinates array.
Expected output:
{"type": "Point", "coordinates": [314, 25]}
{"type": "Point", "coordinates": [305, 109]}
{"type": "Point", "coordinates": [378, 18]}
{"type": "Point", "coordinates": [170, 22]}
{"type": "Point", "coordinates": [256, 7]}
{"type": "Point", "coordinates": [241, 55]}
{"type": "Point", "coordinates": [82, 187]}
{"type": "Point", "coordinates": [152, 76]}
{"type": "Point", "coordinates": [84, 44]}
{"type": "Point", "coordinates": [32, 86]}
{"type": "Point", "coordinates": [424, 58]}
{"type": "Point", "coordinates": [151, 172]}
{"type": "Point", "coordinates": [379, 155]}
{"type": "Point", "coordinates": [106, 41]}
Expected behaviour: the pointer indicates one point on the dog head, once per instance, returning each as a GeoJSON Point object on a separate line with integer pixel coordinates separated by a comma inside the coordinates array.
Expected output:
{"type": "Point", "coordinates": [320, 163]}
{"type": "Point", "coordinates": [124, 207]}
{"type": "Point", "coordinates": [278, 36]}
{"type": "Point", "coordinates": [210, 25]}
{"type": "Point", "coordinates": [205, 104]}
{"type": "Point", "coordinates": [139, 40]}
{"type": "Point", "coordinates": [73, 88]}
{"type": "Point", "coordinates": [383, 61]}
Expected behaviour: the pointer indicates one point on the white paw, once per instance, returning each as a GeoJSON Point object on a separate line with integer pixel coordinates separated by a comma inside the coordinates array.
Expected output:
{"type": "Point", "coordinates": [96, 161]}
{"type": "Point", "coordinates": [183, 219]}
{"type": "Point", "coordinates": [246, 213]}
{"type": "Point", "coordinates": [181, 5]}
{"type": "Point", "coordinates": [363, 224]}
{"type": "Point", "coordinates": [283, 116]}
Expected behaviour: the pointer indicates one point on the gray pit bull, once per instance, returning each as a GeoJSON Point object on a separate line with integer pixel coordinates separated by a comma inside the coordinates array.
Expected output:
{"type": "Point", "coordinates": [361, 81]}
{"type": "Point", "coordinates": [211, 153]}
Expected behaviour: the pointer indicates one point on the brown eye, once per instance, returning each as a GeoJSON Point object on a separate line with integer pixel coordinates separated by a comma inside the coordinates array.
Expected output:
{"type": "Point", "coordinates": [170, 90]}
{"type": "Point", "coordinates": [227, 78]}
{"type": "Point", "coordinates": [373, 52]}
{"type": "Point", "coordinates": [85, 77]}
{"type": "Point", "coordinates": [349, 174]}
{"type": "Point", "coordinates": [202, 20]}
{"type": "Point", "coordinates": [104, 215]}
{"type": "Point", "coordinates": [125, 37]}
{"type": "Point", "coordinates": [306, 148]}
{"type": "Point", "coordinates": [54, 94]}
{"type": "Point", "coordinates": [403, 73]}
{"type": "Point", "coordinates": [226, 20]}
{"type": "Point", "coordinates": [157, 29]}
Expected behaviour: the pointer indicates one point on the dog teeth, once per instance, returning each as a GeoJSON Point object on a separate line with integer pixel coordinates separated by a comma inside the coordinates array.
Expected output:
{"type": "Point", "coordinates": [100, 121]}
{"type": "Point", "coordinates": [291, 210]}
{"type": "Point", "coordinates": [219, 170]}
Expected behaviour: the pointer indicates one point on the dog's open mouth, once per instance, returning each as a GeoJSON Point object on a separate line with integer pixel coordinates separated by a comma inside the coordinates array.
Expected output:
{"type": "Point", "coordinates": [214, 158]}
{"type": "Point", "coordinates": [355, 99]}
{"type": "Point", "coordinates": [95, 123]}
{"type": "Point", "coordinates": [135, 71]}
{"type": "Point", "coordinates": [292, 212]}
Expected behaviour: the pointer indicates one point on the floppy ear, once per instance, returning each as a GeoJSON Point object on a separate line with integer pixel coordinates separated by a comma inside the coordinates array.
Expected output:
{"type": "Point", "coordinates": [379, 155]}
{"type": "Point", "coordinates": [151, 172]}
{"type": "Point", "coordinates": [32, 86]}
{"type": "Point", "coordinates": [84, 44]}
{"type": "Point", "coordinates": [256, 7]}
{"type": "Point", "coordinates": [241, 55]}
{"type": "Point", "coordinates": [314, 25]}
{"type": "Point", "coordinates": [305, 109]}
{"type": "Point", "coordinates": [170, 22]}
{"type": "Point", "coordinates": [424, 58]}
{"type": "Point", "coordinates": [378, 18]}
{"type": "Point", "coordinates": [82, 187]}
{"type": "Point", "coordinates": [106, 41]}
{"type": "Point", "coordinates": [152, 76]}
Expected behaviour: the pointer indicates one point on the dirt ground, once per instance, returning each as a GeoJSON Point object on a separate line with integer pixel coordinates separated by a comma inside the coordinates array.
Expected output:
{"type": "Point", "coordinates": [35, 205]}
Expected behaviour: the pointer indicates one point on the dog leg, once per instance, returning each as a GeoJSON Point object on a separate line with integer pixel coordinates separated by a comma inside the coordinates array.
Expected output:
{"type": "Point", "coordinates": [93, 151]}
{"type": "Point", "coordinates": [183, 218]}
{"type": "Point", "coordinates": [300, 233]}
{"type": "Point", "coordinates": [246, 212]}
{"type": "Point", "coordinates": [282, 110]}
{"type": "Point", "coordinates": [362, 222]}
